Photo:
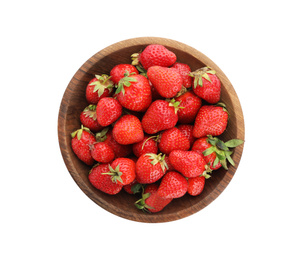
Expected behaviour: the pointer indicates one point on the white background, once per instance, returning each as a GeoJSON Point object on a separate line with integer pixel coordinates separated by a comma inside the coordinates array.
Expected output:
{"type": "Point", "coordinates": [44, 215]}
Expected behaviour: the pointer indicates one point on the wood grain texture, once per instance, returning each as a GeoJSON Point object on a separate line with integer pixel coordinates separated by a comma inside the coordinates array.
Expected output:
{"type": "Point", "coordinates": [73, 102]}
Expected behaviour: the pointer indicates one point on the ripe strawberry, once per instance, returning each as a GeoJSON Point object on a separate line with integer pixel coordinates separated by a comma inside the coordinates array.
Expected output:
{"type": "Point", "coordinates": [215, 151]}
{"type": "Point", "coordinates": [106, 136]}
{"type": "Point", "coordinates": [150, 201]}
{"type": "Point", "coordinates": [119, 71]}
{"type": "Point", "coordinates": [150, 167]}
{"type": "Point", "coordinates": [199, 146]}
{"type": "Point", "coordinates": [173, 139]}
{"type": "Point", "coordinates": [206, 84]}
{"type": "Point", "coordinates": [173, 185]}
{"type": "Point", "coordinates": [196, 185]}
{"type": "Point", "coordinates": [167, 81]}
{"type": "Point", "coordinates": [128, 130]}
{"type": "Point", "coordinates": [108, 110]}
{"type": "Point", "coordinates": [154, 54]}
{"type": "Point", "coordinates": [102, 181]}
{"type": "Point", "coordinates": [191, 104]}
{"type": "Point", "coordinates": [169, 166]}
{"type": "Point", "coordinates": [147, 145]}
{"type": "Point", "coordinates": [80, 143]}
{"type": "Point", "coordinates": [187, 131]}
{"type": "Point", "coordinates": [102, 152]}
{"type": "Point", "coordinates": [134, 92]}
{"type": "Point", "coordinates": [122, 171]}
{"type": "Point", "coordinates": [99, 87]}
{"type": "Point", "coordinates": [88, 118]}
{"type": "Point", "coordinates": [210, 120]}
{"type": "Point", "coordinates": [184, 71]}
{"type": "Point", "coordinates": [189, 163]}
{"type": "Point", "coordinates": [160, 115]}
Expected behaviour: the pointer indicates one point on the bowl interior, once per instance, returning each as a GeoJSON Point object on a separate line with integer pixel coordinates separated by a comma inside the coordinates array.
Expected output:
{"type": "Point", "coordinates": [74, 102]}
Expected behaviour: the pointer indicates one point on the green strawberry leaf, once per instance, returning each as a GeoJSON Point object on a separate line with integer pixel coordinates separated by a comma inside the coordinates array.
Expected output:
{"type": "Point", "coordinates": [234, 143]}
{"type": "Point", "coordinates": [136, 188]}
{"type": "Point", "coordinates": [209, 151]}
{"type": "Point", "coordinates": [220, 144]}
{"type": "Point", "coordinates": [205, 75]}
{"type": "Point", "coordinates": [216, 161]}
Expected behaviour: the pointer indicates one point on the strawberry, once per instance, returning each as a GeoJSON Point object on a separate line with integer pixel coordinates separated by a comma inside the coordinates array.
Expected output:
{"type": "Point", "coordinates": [80, 143]}
{"type": "Point", "coordinates": [215, 151]}
{"type": "Point", "coordinates": [206, 84]}
{"type": "Point", "coordinates": [102, 181]}
{"type": "Point", "coordinates": [167, 161]}
{"type": "Point", "coordinates": [106, 136]}
{"type": "Point", "coordinates": [150, 201]}
{"type": "Point", "coordinates": [167, 81]}
{"type": "Point", "coordinates": [128, 130]}
{"type": "Point", "coordinates": [98, 87]}
{"type": "Point", "coordinates": [134, 92]}
{"type": "Point", "coordinates": [199, 146]}
{"type": "Point", "coordinates": [119, 71]}
{"type": "Point", "coordinates": [102, 152]}
{"type": "Point", "coordinates": [147, 145]}
{"type": "Point", "coordinates": [154, 54]}
{"type": "Point", "coordinates": [108, 110]}
{"type": "Point", "coordinates": [160, 115]}
{"type": "Point", "coordinates": [122, 171]}
{"type": "Point", "coordinates": [88, 118]}
{"type": "Point", "coordinates": [191, 104]}
{"type": "Point", "coordinates": [196, 185]}
{"type": "Point", "coordinates": [187, 131]}
{"type": "Point", "coordinates": [150, 167]}
{"type": "Point", "coordinates": [173, 139]}
{"type": "Point", "coordinates": [189, 163]}
{"type": "Point", "coordinates": [184, 71]}
{"type": "Point", "coordinates": [210, 120]}
{"type": "Point", "coordinates": [173, 185]}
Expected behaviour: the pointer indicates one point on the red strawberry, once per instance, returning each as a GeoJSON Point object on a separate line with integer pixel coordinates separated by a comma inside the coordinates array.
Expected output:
{"type": "Point", "coordinates": [160, 115]}
{"type": "Point", "coordinates": [150, 201]}
{"type": "Point", "coordinates": [167, 81]}
{"type": "Point", "coordinates": [128, 130]}
{"type": "Point", "coordinates": [108, 110]}
{"type": "Point", "coordinates": [154, 54]}
{"type": "Point", "coordinates": [98, 87]}
{"type": "Point", "coordinates": [196, 185]}
{"type": "Point", "coordinates": [119, 71]}
{"type": "Point", "coordinates": [150, 168]}
{"type": "Point", "coordinates": [210, 120]}
{"type": "Point", "coordinates": [191, 104]}
{"type": "Point", "coordinates": [169, 166]}
{"type": "Point", "coordinates": [187, 131]}
{"type": "Point", "coordinates": [199, 146]}
{"type": "Point", "coordinates": [122, 171]}
{"type": "Point", "coordinates": [80, 143]}
{"type": "Point", "coordinates": [173, 185]}
{"type": "Point", "coordinates": [184, 71]}
{"type": "Point", "coordinates": [103, 181]}
{"type": "Point", "coordinates": [189, 163]}
{"type": "Point", "coordinates": [102, 152]}
{"type": "Point", "coordinates": [147, 145]}
{"type": "Point", "coordinates": [215, 151]}
{"type": "Point", "coordinates": [207, 85]}
{"type": "Point", "coordinates": [173, 139]}
{"type": "Point", "coordinates": [88, 118]}
{"type": "Point", "coordinates": [134, 92]}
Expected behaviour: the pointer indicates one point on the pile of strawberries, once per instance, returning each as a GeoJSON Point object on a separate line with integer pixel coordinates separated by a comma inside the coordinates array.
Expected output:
{"type": "Point", "coordinates": [151, 129]}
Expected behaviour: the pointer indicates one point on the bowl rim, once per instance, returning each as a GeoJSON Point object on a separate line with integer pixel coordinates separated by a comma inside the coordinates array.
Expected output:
{"type": "Point", "coordinates": [63, 141]}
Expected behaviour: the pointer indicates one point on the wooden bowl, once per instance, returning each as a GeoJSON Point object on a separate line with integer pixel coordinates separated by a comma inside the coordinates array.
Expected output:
{"type": "Point", "coordinates": [74, 102]}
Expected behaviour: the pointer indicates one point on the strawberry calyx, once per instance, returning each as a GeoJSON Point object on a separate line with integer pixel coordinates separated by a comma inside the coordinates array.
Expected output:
{"type": "Point", "coordinates": [158, 158]}
{"type": "Point", "coordinates": [90, 111]}
{"type": "Point", "coordinates": [78, 133]}
{"type": "Point", "coordinates": [140, 204]}
{"type": "Point", "coordinates": [175, 104]}
{"type": "Point", "coordinates": [221, 149]}
{"type": "Point", "coordinates": [201, 73]}
{"type": "Point", "coordinates": [103, 82]}
{"type": "Point", "coordinates": [115, 173]}
{"type": "Point", "coordinates": [223, 105]}
{"type": "Point", "coordinates": [102, 135]}
{"type": "Point", "coordinates": [135, 58]}
{"type": "Point", "coordinates": [126, 81]}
